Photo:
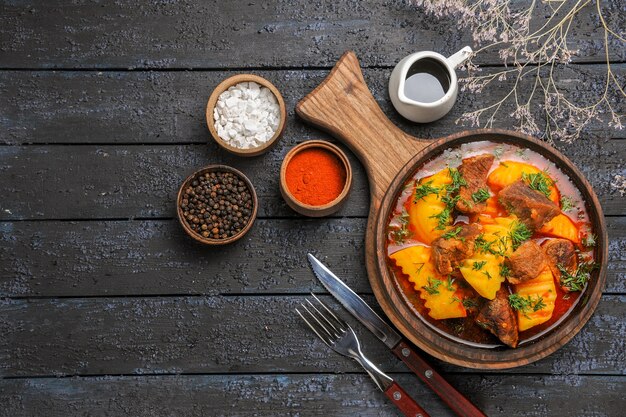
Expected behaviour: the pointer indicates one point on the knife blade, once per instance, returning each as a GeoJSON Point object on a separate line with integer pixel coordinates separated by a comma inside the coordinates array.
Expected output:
{"type": "Point", "coordinates": [352, 302]}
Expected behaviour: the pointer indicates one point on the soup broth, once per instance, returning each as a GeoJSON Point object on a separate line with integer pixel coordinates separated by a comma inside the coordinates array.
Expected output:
{"type": "Point", "coordinates": [455, 302]}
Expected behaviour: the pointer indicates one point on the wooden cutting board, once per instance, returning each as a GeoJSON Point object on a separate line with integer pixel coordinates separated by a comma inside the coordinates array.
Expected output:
{"type": "Point", "coordinates": [343, 106]}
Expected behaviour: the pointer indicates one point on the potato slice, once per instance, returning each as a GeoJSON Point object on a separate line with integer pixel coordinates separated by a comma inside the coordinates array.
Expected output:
{"type": "Point", "coordinates": [562, 226]}
{"type": "Point", "coordinates": [482, 270]}
{"type": "Point", "coordinates": [437, 292]}
{"type": "Point", "coordinates": [423, 211]}
{"type": "Point", "coordinates": [542, 286]}
{"type": "Point", "coordinates": [509, 172]}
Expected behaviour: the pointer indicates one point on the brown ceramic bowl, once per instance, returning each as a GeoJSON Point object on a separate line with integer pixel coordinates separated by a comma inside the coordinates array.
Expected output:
{"type": "Point", "coordinates": [344, 106]}
{"type": "Point", "coordinates": [306, 209]}
{"type": "Point", "coordinates": [225, 85]}
{"type": "Point", "coordinates": [211, 241]}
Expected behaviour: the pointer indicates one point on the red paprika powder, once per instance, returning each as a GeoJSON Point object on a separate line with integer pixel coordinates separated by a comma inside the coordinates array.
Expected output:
{"type": "Point", "coordinates": [315, 176]}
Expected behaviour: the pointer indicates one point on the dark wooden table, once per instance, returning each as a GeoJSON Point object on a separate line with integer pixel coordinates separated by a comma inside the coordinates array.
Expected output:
{"type": "Point", "coordinates": [108, 308]}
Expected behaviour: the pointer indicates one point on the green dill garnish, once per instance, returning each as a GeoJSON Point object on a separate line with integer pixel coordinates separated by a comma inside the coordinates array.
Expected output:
{"type": "Point", "coordinates": [457, 180]}
{"type": "Point", "coordinates": [577, 280]}
{"type": "Point", "coordinates": [526, 305]}
{"type": "Point", "coordinates": [505, 271]}
{"type": "Point", "coordinates": [419, 268]}
{"type": "Point", "coordinates": [519, 233]}
{"type": "Point", "coordinates": [459, 328]}
{"type": "Point", "coordinates": [487, 274]}
{"type": "Point", "coordinates": [481, 195]}
{"type": "Point", "coordinates": [470, 303]}
{"type": "Point", "coordinates": [539, 305]}
{"type": "Point", "coordinates": [452, 233]}
{"type": "Point", "coordinates": [483, 325]}
{"type": "Point", "coordinates": [589, 241]}
{"type": "Point", "coordinates": [448, 200]}
{"type": "Point", "coordinates": [423, 190]}
{"type": "Point", "coordinates": [498, 151]}
{"type": "Point", "coordinates": [467, 202]}
{"type": "Point", "coordinates": [443, 218]}
{"type": "Point", "coordinates": [495, 247]}
{"type": "Point", "coordinates": [478, 265]}
{"type": "Point", "coordinates": [449, 283]}
{"type": "Point", "coordinates": [432, 286]}
{"type": "Point", "coordinates": [522, 154]}
{"type": "Point", "coordinates": [502, 246]}
{"type": "Point", "coordinates": [400, 234]}
{"type": "Point", "coordinates": [481, 244]}
{"type": "Point", "coordinates": [539, 182]}
{"type": "Point", "coordinates": [567, 203]}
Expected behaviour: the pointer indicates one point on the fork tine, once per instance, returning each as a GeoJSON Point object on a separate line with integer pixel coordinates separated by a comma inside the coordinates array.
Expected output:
{"type": "Point", "coordinates": [316, 317]}
{"type": "Point", "coordinates": [337, 332]}
{"type": "Point", "coordinates": [342, 324]}
{"type": "Point", "coordinates": [320, 330]}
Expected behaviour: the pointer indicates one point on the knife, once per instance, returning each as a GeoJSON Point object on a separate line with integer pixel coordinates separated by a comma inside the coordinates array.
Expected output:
{"type": "Point", "coordinates": [394, 341]}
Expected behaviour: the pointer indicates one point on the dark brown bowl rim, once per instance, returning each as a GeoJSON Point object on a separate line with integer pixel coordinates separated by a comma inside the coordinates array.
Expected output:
{"type": "Point", "coordinates": [226, 84]}
{"type": "Point", "coordinates": [331, 206]}
{"type": "Point", "coordinates": [455, 352]}
{"type": "Point", "coordinates": [212, 241]}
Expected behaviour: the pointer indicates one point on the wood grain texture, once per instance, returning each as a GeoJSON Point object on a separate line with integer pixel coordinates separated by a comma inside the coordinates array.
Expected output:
{"type": "Point", "coordinates": [301, 395]}
{"type": "Point", "coordinates": [111, 141]}
{"type": "Point", "coordinates": [237, 334]}
{"type": "Point", "coordinates": [166, 107]}
{"type": "Point", "coordinates": [83, 182]}
{"type": "Point", "coordinates": [241, 33]}
{"type": "Point", "coordinates": [91, 258]}
{"type": "Point", "coordinates": [343, 106]}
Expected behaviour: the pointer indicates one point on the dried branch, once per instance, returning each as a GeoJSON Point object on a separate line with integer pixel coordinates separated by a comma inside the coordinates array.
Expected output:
{"type": "Point", "coordinates": [534, 55]}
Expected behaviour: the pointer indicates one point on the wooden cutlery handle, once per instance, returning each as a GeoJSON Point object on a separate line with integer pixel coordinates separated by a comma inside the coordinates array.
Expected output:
{"type": "Point", "coordinates": [404, 402]}
{"type": "Point", "coordinates": [455, 400]}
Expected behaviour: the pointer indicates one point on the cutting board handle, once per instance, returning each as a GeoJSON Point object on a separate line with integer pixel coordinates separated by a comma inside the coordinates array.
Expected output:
{"type": "Point", "coordinates": [343, 106]}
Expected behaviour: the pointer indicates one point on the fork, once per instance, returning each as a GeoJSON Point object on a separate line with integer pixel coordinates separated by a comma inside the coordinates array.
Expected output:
{"type": "Point", "coordinates": [339, 336]}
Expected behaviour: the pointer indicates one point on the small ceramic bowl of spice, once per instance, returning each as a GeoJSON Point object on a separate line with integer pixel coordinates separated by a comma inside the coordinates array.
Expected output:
{"type": "Point", "coordinates": [315, 178]}
{"type": "Point", "coordinates": [216, 205]}
{"type": "Point", "coordinates": [246, 114]}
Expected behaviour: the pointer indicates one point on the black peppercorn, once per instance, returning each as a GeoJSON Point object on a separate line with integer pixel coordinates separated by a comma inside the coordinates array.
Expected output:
{"type": "Point", "coordinates": [216, 205]}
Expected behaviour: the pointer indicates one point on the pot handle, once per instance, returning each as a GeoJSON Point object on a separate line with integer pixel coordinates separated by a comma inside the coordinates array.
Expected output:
{"type": "Point", "coordinates": [343, 106]}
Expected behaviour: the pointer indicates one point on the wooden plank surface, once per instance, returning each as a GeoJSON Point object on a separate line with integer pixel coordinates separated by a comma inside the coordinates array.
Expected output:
{"type": "Point", "coordinates": [219, 34]}
{"type": "Point", "coordinates": [112, 182]}
{"type": "Point", "coordinates": [235, 334]}
{"type": "Point", "coordinates": [97, 279]}
{"type": "Point", "coordinates": [110, 258]}
{"type": "Point", "coordinates": [302, 395]}
{"type": "Point", "coordinates": [169, 107]}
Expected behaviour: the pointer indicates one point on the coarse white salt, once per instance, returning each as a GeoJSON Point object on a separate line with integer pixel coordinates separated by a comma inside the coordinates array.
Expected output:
{"type": "Point", "coordinates": [246, 115]}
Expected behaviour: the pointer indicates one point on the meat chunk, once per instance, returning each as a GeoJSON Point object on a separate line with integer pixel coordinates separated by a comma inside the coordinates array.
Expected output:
{"type": "Point", "coordinates": [498, 317]}
{"type": "Point", "coordinates": [450, 251]}
{"type": "Point", "coordinates": [533, 208]}
{"type": "Point", "coordinates": [474, 171]}
{"type": "Point", "coordinates": [526, 262]}
{"type": "Point", "coordinates": [560, 252]}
